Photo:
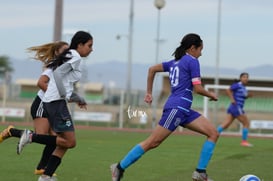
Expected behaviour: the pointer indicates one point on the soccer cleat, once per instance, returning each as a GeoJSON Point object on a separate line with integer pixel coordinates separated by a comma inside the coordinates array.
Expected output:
{"type": "Point", "coordinates": [197, 176]}
{"type": "Point", "coordinates": [47, 178]}
{"type": "Point", "coordinates": [5, 133]}
{"type": "Point", "coordinates": [41, 172]}
{"type": "Point", "coordinates": [246, 144]}
{"type": "Point", "coordinates": [116, 173]}
{"type": "Point", "coordinates": [25, 139]}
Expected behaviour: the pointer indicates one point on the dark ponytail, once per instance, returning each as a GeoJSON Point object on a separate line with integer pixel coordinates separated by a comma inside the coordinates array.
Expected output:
{"type": "Point", "coordinates": [62, 58]}
{"type": "Point", "coordinates": [187, 41]}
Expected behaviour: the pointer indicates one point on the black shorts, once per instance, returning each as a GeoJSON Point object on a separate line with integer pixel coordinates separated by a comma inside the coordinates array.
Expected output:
{"type": "Point", "coordinates": [36, 109]}
{"type": "Point", "coordinates": [58, 116]}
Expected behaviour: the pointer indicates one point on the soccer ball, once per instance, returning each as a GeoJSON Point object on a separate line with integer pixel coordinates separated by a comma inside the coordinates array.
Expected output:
{"type": "Point", "coordinates": [250, 178]}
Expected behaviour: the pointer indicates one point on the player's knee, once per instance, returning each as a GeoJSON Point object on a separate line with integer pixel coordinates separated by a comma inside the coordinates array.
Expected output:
{"type": "Point", "coordinates": [215, 135]}
{"type": "Point", "coordinates": [70, 144]}
{"type": "Point", "coordinates": [246, 124]}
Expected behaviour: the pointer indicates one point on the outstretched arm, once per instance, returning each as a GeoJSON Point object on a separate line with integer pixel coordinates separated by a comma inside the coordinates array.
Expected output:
{"type": "Point", "coordinates": [200, 90]}
{"type": "Point", "coordinates": [150, 81]}
{"type": "Point", "coordinates": [79, 100]}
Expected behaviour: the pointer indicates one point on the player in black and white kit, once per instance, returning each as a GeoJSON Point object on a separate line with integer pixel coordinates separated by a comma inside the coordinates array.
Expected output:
{"type": "Point", "coordinates": [45, 53]}
{"type": "Point", "coordinates": [59, 92]}
{"type": "Point", "coordinates": [41, 123]}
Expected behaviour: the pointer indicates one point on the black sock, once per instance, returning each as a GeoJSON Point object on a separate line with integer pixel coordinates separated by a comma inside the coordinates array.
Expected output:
{"type": "Point", "coordinates": [119, 167]}
{"type": "Point", "coordinates": [201, 170]}
{"type": "Point", "coordinates": [52, 165]}
{"type": "Point", "coordinates": [16, 132]}
{"type": "Point", "coordinates": [48, 150]}
{"type": "Point", "coordinates": [44, 139]}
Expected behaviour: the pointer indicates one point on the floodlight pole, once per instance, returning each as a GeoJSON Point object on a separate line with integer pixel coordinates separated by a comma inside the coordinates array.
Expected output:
{"type": "Point", "coordinates": [159, 4]}
{"type": "Point", "coordinates": [217, 65]}
{"type": "Point", "coordinates": [129, 64]}
{"type": "Point", "coordinates": [58, 20]}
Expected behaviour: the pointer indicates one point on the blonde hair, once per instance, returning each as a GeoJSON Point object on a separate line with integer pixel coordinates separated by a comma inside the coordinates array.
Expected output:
{"type": "Point", "coordinates": [46, 52]}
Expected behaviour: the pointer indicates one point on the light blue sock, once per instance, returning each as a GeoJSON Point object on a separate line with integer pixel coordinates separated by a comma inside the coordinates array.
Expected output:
{"type": "Point", "coordinates": [205, 155]}
{"type": "Point", "coordinates": [133, 155]}
{"type": "Point", "coordinates": [220, 129]}
{"type": "Point", "coordinates": [244, 134]}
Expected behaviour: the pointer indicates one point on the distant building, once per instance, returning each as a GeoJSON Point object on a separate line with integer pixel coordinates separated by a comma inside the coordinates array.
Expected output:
{"type": "Point", "coordinates": [93, 92]}
{"type": "Point", "coordinates": [27, 88]}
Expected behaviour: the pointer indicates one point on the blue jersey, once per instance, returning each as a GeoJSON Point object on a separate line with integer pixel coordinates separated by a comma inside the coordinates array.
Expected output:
{"type": "Point", "coordinates": [183, 74]}
{"type": "Point", "coordinates": [239, 93]}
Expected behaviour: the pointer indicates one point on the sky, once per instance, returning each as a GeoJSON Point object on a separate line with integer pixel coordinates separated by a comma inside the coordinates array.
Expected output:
{"type": "Point", "coordinates": [246, 29]}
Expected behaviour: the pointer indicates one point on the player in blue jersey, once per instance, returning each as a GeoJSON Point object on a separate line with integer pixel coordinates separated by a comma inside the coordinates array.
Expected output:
{"type": "Point", "coordinates": [238, 94]}
{"type": "Point", "coordinates": [185, 78]}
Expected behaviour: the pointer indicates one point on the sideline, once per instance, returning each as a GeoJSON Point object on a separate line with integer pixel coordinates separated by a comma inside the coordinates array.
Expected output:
{"type": "Point", "coordinates": [136, 130]}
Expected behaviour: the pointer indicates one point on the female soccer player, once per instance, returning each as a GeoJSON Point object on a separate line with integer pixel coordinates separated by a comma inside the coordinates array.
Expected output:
{"type": "Point", "coordinates": [184, 75]}
{"type": "Point", "coordinates": [58, 93]}
{"type": "Point", "coordinates": [238, 94]}
{"type": "Point", "coordinates": [45, 53]}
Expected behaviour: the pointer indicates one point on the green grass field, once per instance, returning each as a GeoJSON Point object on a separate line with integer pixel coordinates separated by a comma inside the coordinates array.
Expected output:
{"type": "Point", "coordinates": [174, 160]}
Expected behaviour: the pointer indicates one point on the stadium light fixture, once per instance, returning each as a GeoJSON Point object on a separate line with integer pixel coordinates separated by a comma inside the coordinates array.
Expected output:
{"type": "Point", "coordinates": [159, 4]}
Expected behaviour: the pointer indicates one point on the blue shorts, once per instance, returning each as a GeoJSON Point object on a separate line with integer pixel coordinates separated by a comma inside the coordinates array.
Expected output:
{"type": "Point", "coordinates": [172, 118]}
{"type": "Point", "coordinates": [59, 116]}
{"type": "Point", "coordinates": [235, 110]}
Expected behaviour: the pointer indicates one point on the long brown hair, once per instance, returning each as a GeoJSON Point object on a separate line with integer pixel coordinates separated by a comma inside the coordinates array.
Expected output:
{"type": "Point", "coordinates": [46, 52]}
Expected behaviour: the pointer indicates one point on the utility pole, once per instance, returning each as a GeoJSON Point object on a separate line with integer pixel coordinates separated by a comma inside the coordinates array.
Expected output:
{"type": "Point", "coordinates": [129, 64]}
{"type": "Point", "coordinates": [58, 20]}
